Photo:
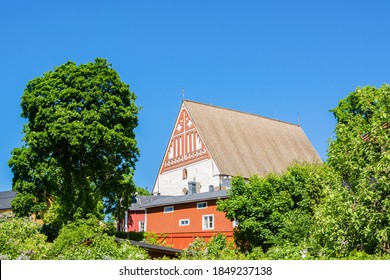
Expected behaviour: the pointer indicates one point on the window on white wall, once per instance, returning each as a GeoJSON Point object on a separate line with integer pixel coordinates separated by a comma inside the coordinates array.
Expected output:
{"type": "Point", "coordinates": [185, 174]}
{"type": "Point", "coordinates": [208, 222]}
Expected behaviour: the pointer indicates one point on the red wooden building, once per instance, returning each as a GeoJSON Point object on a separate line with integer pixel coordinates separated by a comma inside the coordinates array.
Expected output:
{"type": "Point", "coordinates": [135, 218]}
{"type": "Point", "coordinates": [183, 218]}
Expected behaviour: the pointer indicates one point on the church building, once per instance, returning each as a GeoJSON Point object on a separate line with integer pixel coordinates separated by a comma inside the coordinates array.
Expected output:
{"type": "Point", "coordinates": [210, 144]}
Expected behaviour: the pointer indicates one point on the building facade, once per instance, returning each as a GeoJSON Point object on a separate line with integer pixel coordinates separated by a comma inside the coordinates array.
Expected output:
{"type": "Point", "coordinates": [208, 146]}
{"type": "Point", "coordinates": [211, 144]}
{"type": "Point", "coordinates": [135, 217]}
{"type": "Point", "coordinates": [182, 219]}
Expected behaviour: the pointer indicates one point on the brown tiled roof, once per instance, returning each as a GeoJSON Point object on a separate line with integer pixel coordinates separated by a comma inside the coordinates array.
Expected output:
{"type": "Point", "coordinates": [246, 144]}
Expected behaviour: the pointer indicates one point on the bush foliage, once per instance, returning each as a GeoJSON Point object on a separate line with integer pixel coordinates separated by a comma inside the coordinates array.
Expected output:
{"type": "Point", "coordinates": [88, 239]}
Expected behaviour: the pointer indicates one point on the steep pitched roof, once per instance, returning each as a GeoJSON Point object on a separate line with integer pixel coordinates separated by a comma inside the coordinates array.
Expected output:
{"type": "Point", "coordinates": [5, 199]}
{"type": "Point", "coordinates": [246, 144]}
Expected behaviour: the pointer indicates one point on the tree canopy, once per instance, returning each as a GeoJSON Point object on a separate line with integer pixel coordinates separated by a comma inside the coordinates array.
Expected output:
{"type": "Point", "coordinates": [355, 216]}
{"type": "Point", "coordinates": [275, 209]}
{"type": "Point", "coordinates": [340, 209]}
{"type": "Point", "coordinates": [80, 149]}
{"type": "Point", "coordinates": [361, 148]}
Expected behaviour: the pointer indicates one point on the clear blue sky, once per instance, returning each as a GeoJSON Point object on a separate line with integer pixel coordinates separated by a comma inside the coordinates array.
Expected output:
{"type": "Point", "coordinates": [271, 58]}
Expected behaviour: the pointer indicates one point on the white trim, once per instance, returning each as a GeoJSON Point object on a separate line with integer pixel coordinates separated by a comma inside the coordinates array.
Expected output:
{"type": "Point", "coordinates": [146, 220]}
{"type": "Point", "coordinates": [204, 202]}
{"type": "Point", "coordinates": [139, 226]}
{"type": "Point", "coordinates": [126, 221]}
{"type": "Point", "coordinates": [167, 209]}
{"type": "Point", "coordinates": [185, 224]}
{"type": "Point", "coordinates": [206, 224]}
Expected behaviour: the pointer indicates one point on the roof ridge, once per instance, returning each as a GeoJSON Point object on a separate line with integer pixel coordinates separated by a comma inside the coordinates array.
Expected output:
{"type": "Point", "coordinates": [242, 112]}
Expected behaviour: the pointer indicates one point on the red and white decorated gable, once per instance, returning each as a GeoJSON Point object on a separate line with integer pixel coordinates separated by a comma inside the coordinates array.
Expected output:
{"type": "Point", "coordinates": [186, 145]}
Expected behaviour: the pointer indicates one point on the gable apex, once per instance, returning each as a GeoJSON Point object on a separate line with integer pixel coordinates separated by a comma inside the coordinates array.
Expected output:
{"type": "Point", "coordinates": [186, 145]}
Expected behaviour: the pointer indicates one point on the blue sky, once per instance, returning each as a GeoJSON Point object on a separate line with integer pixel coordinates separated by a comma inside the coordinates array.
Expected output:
{"type": "Point", "coordinates": [271, 58]}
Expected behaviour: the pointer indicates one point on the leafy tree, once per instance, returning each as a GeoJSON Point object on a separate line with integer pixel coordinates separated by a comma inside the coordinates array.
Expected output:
{"type": "Point", "coordinates": [142, 191]}
{"type": "Point", "coordinates": [80, 145]}
{"type": "Point", "coordinates": [355, 216]}
{"type": "Point", "coordinates": [352, 221]}
{"type": "Point", "coordinates": [276, 209]}
{"type": "Point", "coordinates": [361, 150]}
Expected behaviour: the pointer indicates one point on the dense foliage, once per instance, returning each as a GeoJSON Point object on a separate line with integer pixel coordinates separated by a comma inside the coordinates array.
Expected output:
{"type": "Point", "coordinates": [355, 217]}
{"type": "Point", "coordinates": [90, 240]}
{"type": "Point", "coordinates": [87, 239]}
{"type": "Point", "coordinates": [361, 150]}
{"type": "Point", "coordinates": [276, 209]}
{"type": "Point", "coordinates": [80, 145]}
{"type": "Point", "coordinates": [21, 239]}
{"type": "Point", "coordinates": [218, 248]}
{"type": "Point", "coordinates": [337, 210]}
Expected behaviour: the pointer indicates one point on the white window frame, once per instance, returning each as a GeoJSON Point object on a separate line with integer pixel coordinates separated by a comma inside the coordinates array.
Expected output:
{"type": "Point", "coordinates": [169, 209]}
{"type": "Point", "coordinates": [182, 222]}
{"type": "Point", "coordinates": [206, 222]}
{"type": "Point", "coordinates": [200, 203]}
{"type": "Point", "coordinates": [141, 226]}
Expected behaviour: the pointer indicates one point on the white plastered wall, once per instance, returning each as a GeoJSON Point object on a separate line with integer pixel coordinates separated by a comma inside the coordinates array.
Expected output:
{"type": "Point", "coordinates": [171, 182]}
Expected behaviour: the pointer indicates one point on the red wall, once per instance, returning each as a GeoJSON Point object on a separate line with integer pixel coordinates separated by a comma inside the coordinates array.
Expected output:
{"type": "Point", "coordinates": [181, 236]}
{"type": "Point", "coordinates": [133, 220]}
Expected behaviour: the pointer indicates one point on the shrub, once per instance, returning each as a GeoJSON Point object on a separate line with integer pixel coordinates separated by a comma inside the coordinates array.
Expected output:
{"type": "Point", "coordinates": [21, 238]}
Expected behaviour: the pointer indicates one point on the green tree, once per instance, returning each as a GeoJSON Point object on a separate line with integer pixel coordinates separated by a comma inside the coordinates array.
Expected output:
{"type": "Point", "coordinates": [142, 192]}
{"type": "Point", "coordinates": [355, 216]}
{"type": "Point", "coordinates": [361, 150]}
{"type": "Point", "coordinates": [276, 209]}
{"type": "Point", "coordinates": [352, 221]}
{"type": "Point", "coordinates": [80, 148]}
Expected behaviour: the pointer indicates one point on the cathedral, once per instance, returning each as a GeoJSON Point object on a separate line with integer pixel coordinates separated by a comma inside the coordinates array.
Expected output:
{"type": "Point", "coordinates": [209, 145]}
